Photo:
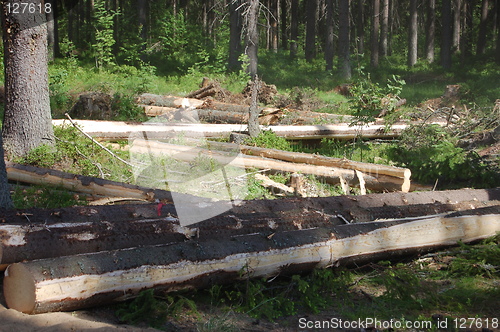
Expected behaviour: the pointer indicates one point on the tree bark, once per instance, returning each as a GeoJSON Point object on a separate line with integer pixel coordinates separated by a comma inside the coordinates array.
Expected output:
{"type": "Point", "coordinates": [329, 38]}
{"type": "Point", "coordinates": [284, 24]}
{"type": "Point", "coordinates": [483, 31]}
{"type": "Point", "coordinates": [273, 24]}
{"type": "Point", "coordinates": [344, 40]}
{"type": "Point", "coordinates": [374, 57]}
{"type": "Point", "coordinates": [235, 29]}
{"type": "Point", "coordinates": [413, 34]}
{"type": "Point", "coordinates": [430, 31]}
{"type": "Point", "coordinates": [384, 29]}
{"type": "Point", "coordinates": [254, 110]}
{"type": "Point", "coordinates": [27, 119]}
{"type": "Point", "coordinates": [457, 10]}
{"type": "Point", "coordinates": [68, 283]}
{"type": "Point", "coordinates": [360, 26]}
{"type": "Point", "coordinates": [252, 36]}
{"type": "Point", "coordinates": [5, 199]}
{"type": "Point", "coordinates": [294, 27]}
{"type": "Point", "coordinates": [446, 35]}
{"type": "Point", "coordinates": [311, 19]}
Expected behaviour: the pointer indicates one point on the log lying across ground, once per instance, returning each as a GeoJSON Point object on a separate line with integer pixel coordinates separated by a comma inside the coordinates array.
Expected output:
{"type": "Point", "coordinates": [190, 154]}
{"type": "Point", "coordinates": [45, 233]}
{"type": "Point", "coordinates": [117, 130]}
{"type": "Point", "coordinates": [81, 183]}
{"type": "Point", "coordinates": [73, 282]}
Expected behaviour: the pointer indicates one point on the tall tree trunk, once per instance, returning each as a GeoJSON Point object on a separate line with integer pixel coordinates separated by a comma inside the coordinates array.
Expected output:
{"type": "Point", "coordinates": [27, 119]}
{"type": "Point", "coordinates": [50, 35]}
{"type": "Point", "coordinates": [329, 39]}
{"type": "Point", "coordinates": [344, 54]}
{"type": "Point", "coordinates": [142, 20]}
{"type": "Point", "coordinates": [235, 26]}
{"type": "Point", "coordinates": [481, 40]}
{"type": "Point", "coordinates": [252, 37]}
{"type": "Point", "coordinates": [430, 30]}
{"type": "Point", "coordinates": [384, 29]}
{"type": "Point", "coordinates": [273, 23]}
{"type": "Point", "coordinates": [413, 34]}
{"type": "Point", "coordinates": [5, 199]}
{"type": "Point", "coordinates": [360, 26]}
{"type": "Point", "coordinates": [284, 34]}
{"type": "Point", "coordinates": [254, 111]}
{"type": "Point", "coordinates": [468, 26]}
{"type": "Point", "coordinates": [446, 37]}
{"type": "Point", "coordinates": [294, 27]}
{"type": "Point", "coordinates": [311, 10]}
{"type": "Point", "coordinates": [457, 9]}
{"type": "Point", "coordinates": [374, 58]}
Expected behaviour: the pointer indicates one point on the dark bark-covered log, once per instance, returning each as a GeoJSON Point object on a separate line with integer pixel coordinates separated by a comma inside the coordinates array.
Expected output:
{"type": "Point", "coordinates": [73, 282]}
{"type": "Point", "coordinates": [84, 184]}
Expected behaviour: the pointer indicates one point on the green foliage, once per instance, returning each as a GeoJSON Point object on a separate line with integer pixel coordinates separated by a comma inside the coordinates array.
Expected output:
{"type": "Point", "coordinates": [144, 308]}
{"type": "Point", "coordinates": [370, 98]}
{"type": "Point", "coordinates": [154, 311]}
{"type": "Point", "coordinates": [432, 154]}
{"type": "Point", "coordinates": [269, 139]}
{"type": "Point", "coordinates": [126, 108]}
{"type": "Point", "coordinates": [474, 261]}
{"type": "Point", "coordinates": [104, 40]}
{"type": "Point", "coordinates": [76, 154]}
{"type": "Point", "coordinates": [43, 197]}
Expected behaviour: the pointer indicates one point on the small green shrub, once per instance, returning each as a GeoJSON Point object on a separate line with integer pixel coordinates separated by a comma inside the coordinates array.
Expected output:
{"type": "Point", "coordinates": [431, 153]}
{"type": "Point", "coordinates": [370, 98]}
{"type": "Point", "coordinates": [269, 139]}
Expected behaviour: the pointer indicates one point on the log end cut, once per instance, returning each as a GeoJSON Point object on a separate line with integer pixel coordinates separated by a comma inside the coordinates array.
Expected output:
{"type": "Point", "coordinates": [19, 288]}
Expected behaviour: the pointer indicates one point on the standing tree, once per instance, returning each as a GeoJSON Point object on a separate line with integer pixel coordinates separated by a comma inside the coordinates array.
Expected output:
{"type": "Point", "coordinates": [446, 38]}
{"type": "Point", "coordinates": [360, 26]}
{"type": "Point", "coordinates": [252, 36]}
{"type": "Point", "coordinates": [311, 16]}
{"type": "Point", "coordinates": [235, 26]}
{"type": "Point", "coordinates": [413, 34]}
{"type": "Point", "coordinates": [329, 38]}
{"type": "Point", "coordinates": [27, 119]}
{"type": "Point", "coordinates": [481, 41]}
{"type": "Point", "coordinates": [457, 9]}
{"type": "Point", "coordinates": [384, 28]}
{"type": "Point", "coordinates": [430, 31]}
{"type": "Point", "coordinates": [345, 64]}
{"type": "Point", "coordinates": [375, 33]}
{"type": "Point", "coordinates": [294, 27]}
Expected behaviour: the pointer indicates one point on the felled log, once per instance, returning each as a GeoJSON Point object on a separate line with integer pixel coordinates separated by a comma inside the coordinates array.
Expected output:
{"type": "Point", "coordinates": [81, 183]}
{"type": "Point", "coordinates": [167, 101]}
{"type": "Point", "coordinates": [275, 187]}
{"type": "Point", "coordinates": [117, 130]}
{"type": "Point", "coordinates": [206, 115]}
{"type": "Point", "coordinates": [26, 241]}
{"type": "Point", "coordinates": [312, 159]}
{"type": "Point", "coordinates": [189, 154]}
{"type": "Point", "coordinates": [73, 282]}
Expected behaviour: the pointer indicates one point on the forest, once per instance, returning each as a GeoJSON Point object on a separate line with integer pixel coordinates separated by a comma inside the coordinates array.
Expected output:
{"type": "Point", "coordinates": [364, 185]}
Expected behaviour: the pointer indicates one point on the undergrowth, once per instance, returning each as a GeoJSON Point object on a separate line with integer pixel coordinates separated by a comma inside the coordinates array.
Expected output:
{"type": "Point", "coordinates": [459, 282]}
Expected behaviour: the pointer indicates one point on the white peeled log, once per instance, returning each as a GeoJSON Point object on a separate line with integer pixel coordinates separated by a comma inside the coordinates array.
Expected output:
{"type": "Point", "coordinates": [68, 283]}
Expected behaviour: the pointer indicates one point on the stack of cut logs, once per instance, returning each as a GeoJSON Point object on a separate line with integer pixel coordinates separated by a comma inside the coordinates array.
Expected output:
{"type": "Point", "coordinates": [71, 258]}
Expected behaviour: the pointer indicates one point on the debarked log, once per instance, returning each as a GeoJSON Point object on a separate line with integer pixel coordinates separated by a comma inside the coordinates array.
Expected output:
{"type": "Point", "coordinates": [116, 130]}
{"type": "Point", "coordinates": [188, 153]}
{"type": "Point", "coordinates": [74, 282]}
